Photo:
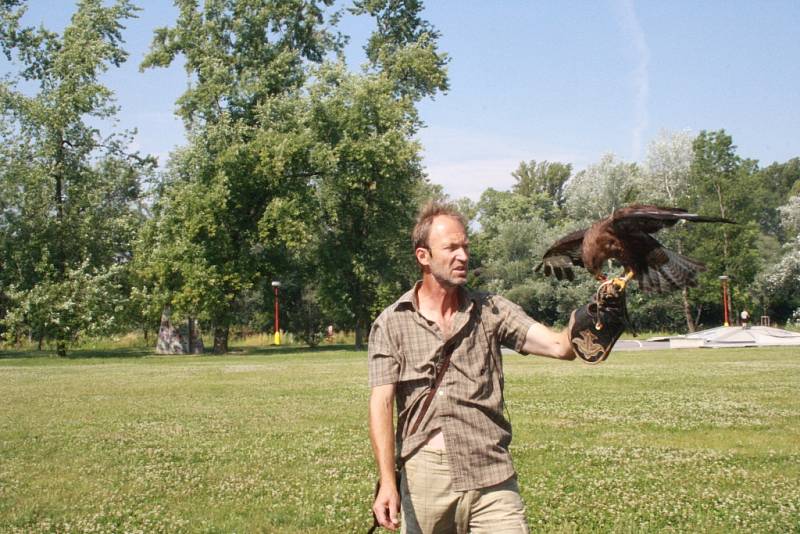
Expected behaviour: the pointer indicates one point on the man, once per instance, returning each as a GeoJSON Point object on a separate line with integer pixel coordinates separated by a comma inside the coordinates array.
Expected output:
{"type": "Point", "coordinates": [457, 472]}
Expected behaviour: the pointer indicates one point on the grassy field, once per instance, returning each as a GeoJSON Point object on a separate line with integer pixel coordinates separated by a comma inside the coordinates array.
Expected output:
{"type": "Point", "coordinates": [276, 441]}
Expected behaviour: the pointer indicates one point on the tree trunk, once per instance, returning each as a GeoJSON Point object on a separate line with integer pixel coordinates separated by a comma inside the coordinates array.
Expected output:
{"type": "Point", "coordinates": [359, 334]}
{"type": "Point", "coordinates": [221, 339]}
{"type": "Point", "coordinates": [191, 336]}
{"type": "Point", "coordinates": [195, 345]}
{"type": "Point", "coordinates": [687, 310]}
{"type": "Point", "coordinates": [169, 337]}
{"type": "Point", "coordinates": [60, 253]}
{"type": "Point", "coordinates": [687, 307]}
{"type": "Point", "coordinates": [724, 229]}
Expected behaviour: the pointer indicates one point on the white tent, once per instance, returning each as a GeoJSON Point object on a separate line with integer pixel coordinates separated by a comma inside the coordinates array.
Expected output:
{"type": "Point", "coordinates": [736, 336]}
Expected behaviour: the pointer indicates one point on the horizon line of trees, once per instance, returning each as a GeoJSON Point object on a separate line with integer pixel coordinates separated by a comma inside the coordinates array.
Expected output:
{"type": "Point", "coordinates": [299, 170]}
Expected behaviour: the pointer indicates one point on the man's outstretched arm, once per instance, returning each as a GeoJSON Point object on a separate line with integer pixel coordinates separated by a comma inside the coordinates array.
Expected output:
{"type": "Point", "coordinates": [381, 433]}
{"type": "Point", "coordinates": [592, 332]}
{"type": "Point", "coordinates": [543, 341]}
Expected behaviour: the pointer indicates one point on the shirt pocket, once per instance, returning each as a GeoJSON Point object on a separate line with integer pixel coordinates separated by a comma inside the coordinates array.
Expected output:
{"type": "Point", "coordinates": [416, 363]}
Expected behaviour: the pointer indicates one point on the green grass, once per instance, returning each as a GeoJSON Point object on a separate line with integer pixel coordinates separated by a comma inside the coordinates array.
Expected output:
{"type": "Point", "coordinates": [276, 441]}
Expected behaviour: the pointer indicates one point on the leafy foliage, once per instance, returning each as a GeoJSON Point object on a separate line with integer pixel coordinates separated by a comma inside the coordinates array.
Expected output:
{"type": "Point", "coordinates": [241, 199]}
{"type": "Point", "coordinates": [299, 170]}
{"type": "Point", "coordinates": [780, 281]}
{"type": "Point", "coordinates": [720, 187]}
{"type": "Point", "coordinates": [701, 173]}
{"type": "Point", "coordinates": [70, 208]}
{"type": "Point", "coordinates": [596, 192]}
{"type": "Point", "coordinates": [366, 197]}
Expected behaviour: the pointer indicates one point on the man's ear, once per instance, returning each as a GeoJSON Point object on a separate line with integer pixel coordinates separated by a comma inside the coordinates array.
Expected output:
{"type": "Point", "coordinates": [423, 255]}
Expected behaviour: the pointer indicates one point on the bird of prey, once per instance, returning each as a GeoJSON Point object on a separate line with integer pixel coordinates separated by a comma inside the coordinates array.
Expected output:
{"type": "Point", "coordinates": [625, 237]}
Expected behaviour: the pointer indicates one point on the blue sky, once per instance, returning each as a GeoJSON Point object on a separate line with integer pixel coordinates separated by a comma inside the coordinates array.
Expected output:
{"type": "Point", "coordinates": [562, 81]}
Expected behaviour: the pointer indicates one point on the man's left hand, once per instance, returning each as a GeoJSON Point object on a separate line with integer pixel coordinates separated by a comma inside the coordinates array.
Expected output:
{"type": "Point", "coordinates": [596, 327]}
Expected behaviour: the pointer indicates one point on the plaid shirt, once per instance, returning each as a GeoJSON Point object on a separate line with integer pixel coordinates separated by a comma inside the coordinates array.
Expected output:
{"type": "Point", "coordinates": [404, 348]}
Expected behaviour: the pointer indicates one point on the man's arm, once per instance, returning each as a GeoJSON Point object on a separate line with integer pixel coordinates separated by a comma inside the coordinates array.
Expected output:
{"type": "Point", "coordinates": [543, 341]}
{"type": "Point", "coordinates": [381, 433]}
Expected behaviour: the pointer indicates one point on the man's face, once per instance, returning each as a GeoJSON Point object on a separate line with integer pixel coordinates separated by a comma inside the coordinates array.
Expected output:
{"type": "Point", "coordinates": [448, 253]}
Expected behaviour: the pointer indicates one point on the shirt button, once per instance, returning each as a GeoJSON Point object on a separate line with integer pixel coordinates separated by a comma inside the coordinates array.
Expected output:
{"type": "Point", "coordinates": [440, 393]}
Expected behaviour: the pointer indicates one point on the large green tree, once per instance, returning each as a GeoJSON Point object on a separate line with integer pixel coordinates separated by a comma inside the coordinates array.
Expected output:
{"type": "Point", "coordinates": [70, 192]}
{"type": "Point", "coordinates": [369, 196]}
{"type": "Point", "coordinates": [666, 180]}
{"type": "Point", "coordinates": [246, 61]}
{"type": "Point", "coordinates": [594, 193]}
{"type": "Point", "coordinates": [404, 47]}
{"type": "Point", "coordinates": [779, 281]}
{"type": "Point", "coordinates": [543, 183]}
{"type": "Point", "coordinates": [721, 185]}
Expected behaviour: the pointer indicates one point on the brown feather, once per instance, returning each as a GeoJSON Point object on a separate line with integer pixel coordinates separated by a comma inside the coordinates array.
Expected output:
{"type": "Point", "coordinates": [625, 237]}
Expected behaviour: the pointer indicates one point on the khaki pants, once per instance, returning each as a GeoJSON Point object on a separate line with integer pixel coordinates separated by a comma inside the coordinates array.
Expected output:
{"type": "Point", "coordinates": [429, 505]}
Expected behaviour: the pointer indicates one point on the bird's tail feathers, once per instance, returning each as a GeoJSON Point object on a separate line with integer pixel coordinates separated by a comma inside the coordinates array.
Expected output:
{"type": "Point", "coordinates": [678, 272]}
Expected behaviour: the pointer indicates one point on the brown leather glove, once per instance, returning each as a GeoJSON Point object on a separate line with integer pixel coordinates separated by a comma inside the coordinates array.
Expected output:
{"type": "Point", "coordinates": [596, 327]}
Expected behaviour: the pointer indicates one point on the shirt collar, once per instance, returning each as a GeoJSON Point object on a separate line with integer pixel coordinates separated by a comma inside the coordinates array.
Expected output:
{"type": "Point", "coordinates": [409, 298]}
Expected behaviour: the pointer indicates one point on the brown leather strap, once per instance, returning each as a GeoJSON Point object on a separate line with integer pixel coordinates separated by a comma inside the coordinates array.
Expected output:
{"type": "Point", "coordinates": [443, 365]}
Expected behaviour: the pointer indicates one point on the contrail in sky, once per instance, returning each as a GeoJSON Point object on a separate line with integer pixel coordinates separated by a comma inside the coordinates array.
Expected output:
{"type": "Point", "coordinates": [641, 82]}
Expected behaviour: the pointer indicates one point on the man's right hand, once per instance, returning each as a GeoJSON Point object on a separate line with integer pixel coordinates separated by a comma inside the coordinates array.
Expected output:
{"type": "Point", "coordinates": [387, 506]}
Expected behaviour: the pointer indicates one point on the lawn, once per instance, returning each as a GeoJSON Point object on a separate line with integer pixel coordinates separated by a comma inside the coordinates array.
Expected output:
{"type": "Point", "coordinates": [276, 441]}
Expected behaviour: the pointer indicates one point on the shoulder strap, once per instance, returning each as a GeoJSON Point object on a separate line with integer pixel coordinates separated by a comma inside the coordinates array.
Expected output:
{"type": "Point", "coordinates": [443, 365]}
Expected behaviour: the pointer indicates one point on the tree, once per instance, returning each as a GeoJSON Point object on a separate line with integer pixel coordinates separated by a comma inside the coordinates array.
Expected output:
{"type": "Point", "coordinates": [666, 180]}
{"type": "Point", "coordinates": [780, 281]}
{"type": "Point", "coordinates": [775, 187]}
{"type": "Point", "coordinates": [721, 185]}
{"type": "Point", "coordinates": [596, 192]}
{"type": "Point", "coordinates": [239, 53]}
{"type": "Point", "coordinates": [246, 61]}
{"type": "Point", "coordinates": [71, 194]}
{"type": "Point", "coordinates": [405, 47]}
{"type": "Point", "coordinates": [665, 177]}
{"type": "Point", "coordinates": [368, 197]}
{"type": "Point", "coordinates": [544, 184]}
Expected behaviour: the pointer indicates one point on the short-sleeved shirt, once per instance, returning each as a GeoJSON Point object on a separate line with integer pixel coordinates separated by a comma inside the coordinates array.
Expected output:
{"type": "Point", "coordinates": [404, 349]}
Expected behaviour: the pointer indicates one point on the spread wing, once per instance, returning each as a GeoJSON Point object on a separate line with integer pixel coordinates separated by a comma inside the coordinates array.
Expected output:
{"type": "Point", "coordinates": [562, 256]}
{"type": "Point", "coordinates": [650, 219]}
{"type": "Point", "coordinates": [659, 269]}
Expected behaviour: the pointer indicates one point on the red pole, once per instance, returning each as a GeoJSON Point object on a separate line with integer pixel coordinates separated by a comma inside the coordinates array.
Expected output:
{"type": "Point", "coordinates": [276, 285]}
{"type": "Point", "coordinates": [725, 301]}
{"type": "Point", "coordinates": [277, 312]}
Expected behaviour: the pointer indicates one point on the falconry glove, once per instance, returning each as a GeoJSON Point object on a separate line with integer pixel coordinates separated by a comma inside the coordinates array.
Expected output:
{"type": "Point", "coordinates": [596, 327]}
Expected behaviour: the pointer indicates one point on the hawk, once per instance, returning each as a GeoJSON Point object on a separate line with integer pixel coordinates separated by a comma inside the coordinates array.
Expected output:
{"type": "Point", "coordinates": [625, 237]}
